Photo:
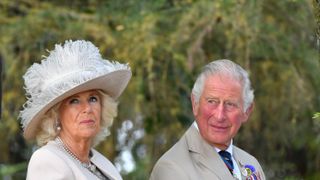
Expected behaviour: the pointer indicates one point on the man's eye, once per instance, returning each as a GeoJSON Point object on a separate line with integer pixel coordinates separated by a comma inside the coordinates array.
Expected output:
{"type": "Point", "coordinates": [213, 101]}
{"type": "Point", "coordinates": [231, 105]}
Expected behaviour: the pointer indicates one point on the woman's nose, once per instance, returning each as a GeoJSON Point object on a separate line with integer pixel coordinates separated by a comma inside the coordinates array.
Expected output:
{"type": "Point", "coordinates": [87, 107]}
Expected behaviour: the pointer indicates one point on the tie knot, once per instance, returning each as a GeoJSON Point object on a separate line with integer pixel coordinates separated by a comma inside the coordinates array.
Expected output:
{"type": "Point", "coordinates": [226, 157]}
{"type": "Point", "coordinates": [225, 154]}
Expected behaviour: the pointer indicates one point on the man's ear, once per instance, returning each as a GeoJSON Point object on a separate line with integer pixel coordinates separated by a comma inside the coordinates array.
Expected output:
{"type": "Point", "coordinates": [195, 105]}
{"type": "Point", "coordinates": [248, 112]}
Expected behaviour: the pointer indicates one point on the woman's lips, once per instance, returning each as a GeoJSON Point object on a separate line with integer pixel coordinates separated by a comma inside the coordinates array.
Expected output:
{"type": "Point", "coordinates": [87, 121]}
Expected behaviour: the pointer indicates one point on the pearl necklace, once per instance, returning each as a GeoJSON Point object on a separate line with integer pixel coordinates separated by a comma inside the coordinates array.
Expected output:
{"type": "Point", "coordinates": [90, 166]}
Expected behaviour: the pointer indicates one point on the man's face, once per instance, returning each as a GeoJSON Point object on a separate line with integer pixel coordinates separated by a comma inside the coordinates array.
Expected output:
{"type": "Point", "coordinates": [219, 112]}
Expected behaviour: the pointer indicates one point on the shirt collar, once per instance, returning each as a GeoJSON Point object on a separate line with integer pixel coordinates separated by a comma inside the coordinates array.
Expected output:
{"type": "Point", "coordinates": [229, 149]}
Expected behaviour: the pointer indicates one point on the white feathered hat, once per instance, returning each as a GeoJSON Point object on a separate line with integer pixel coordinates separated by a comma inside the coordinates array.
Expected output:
{"type": "Point", "coordinates": [75, 67]}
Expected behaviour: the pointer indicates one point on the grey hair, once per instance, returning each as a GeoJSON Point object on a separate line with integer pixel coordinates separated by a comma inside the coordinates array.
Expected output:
{"type": "Point", "coordinates": [48, 130]}
{"type": "Point", "coordinates": [228, 67]}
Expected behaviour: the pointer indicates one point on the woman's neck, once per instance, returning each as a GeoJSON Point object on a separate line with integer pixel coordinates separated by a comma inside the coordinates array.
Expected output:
{"type": "Point", "coordinates": [80, 147]}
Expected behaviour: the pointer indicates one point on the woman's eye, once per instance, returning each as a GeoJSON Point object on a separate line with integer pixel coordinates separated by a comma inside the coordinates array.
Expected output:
{"type": "Point", "coordinates": [74, 101]}
{"type": "Point", "coordinates": [93, 99]}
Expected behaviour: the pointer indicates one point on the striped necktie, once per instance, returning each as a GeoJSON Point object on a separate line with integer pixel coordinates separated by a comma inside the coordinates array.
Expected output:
{"type": "Point", "coordinates": [226, 157]}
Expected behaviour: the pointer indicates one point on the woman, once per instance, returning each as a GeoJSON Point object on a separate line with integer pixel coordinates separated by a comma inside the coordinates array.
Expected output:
{"type": "Point", "coordinates": [70, 106]}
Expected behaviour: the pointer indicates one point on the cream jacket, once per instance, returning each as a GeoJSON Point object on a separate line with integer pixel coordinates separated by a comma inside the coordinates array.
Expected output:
{"type": "Point", "coordinates": [192, 158]}
{"type": "Point", "coordinates": [51, 162]}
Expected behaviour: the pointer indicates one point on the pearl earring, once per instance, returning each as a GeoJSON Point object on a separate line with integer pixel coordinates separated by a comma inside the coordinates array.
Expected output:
{"type": "Point", "coordinates": [58, 126]}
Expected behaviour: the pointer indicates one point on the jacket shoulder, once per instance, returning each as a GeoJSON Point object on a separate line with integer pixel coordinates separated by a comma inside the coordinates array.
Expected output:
{"type": "Point", "coordinates": [170, 165]}
{"type": "Point", "coordinates": [45, 162]}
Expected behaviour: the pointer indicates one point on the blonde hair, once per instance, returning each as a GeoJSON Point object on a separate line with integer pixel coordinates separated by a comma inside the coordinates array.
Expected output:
{"type": "Point", "coordinates": [48, 127]}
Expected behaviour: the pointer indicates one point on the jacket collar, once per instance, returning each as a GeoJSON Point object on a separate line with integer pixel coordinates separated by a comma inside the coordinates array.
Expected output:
{"type": "Point", "coordinates": [205, 154]}
{"type": "Point", "coordinates": [107, 168]}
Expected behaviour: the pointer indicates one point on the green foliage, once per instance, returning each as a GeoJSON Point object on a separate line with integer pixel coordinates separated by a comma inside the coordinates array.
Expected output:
{"type": "Point", "coordinates": [166, 43]}
{"type": "Point", "coordinates": [11, 169]}
{"type": "Point", "coordinates": [316, 115]}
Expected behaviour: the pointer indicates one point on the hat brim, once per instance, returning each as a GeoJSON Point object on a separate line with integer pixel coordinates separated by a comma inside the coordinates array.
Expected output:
{"type": "Point", "coordinates": [112, 84]}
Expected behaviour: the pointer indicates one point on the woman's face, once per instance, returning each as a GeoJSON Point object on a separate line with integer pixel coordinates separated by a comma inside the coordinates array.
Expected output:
{"type": "Point", "coordinates": [80, 115]}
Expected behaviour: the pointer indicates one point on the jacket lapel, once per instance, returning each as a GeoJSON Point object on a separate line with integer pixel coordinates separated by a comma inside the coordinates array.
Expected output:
{"type": "Point", "coordinates": [242, 161]}
{"type": "Point", "coordinates": [205, 154]}
{"type": "Point", "coordinates": [239, 162]}
{"type": "Point", "coordinates": [106, 168]}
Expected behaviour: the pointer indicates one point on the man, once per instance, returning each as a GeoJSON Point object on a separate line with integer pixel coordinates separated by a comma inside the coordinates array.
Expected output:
{"type": "Point", "coordinates": [222, 99]}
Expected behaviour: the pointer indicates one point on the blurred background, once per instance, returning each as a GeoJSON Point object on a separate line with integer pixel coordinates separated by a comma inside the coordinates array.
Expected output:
{"type": "Point", "coordinates": [166, 42]}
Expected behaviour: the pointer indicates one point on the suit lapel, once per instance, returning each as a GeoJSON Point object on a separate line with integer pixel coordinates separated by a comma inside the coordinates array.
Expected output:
{"type": "Point", "coordinates": [205, 154]}
{"type": "Point", "coordinates": [239, 162]}
{"type": "Point", "coordinates": [242, 161]}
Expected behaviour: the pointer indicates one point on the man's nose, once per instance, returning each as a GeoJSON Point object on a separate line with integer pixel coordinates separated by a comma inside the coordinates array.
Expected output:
{"type": "Point", "coordinates": [220, 111]}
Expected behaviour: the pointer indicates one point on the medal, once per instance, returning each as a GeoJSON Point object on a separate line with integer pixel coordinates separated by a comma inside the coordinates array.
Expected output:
{"type": "Point", "coordinates": [248, 171]}
{"type": "Point", "coordinates": [244, 172]}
